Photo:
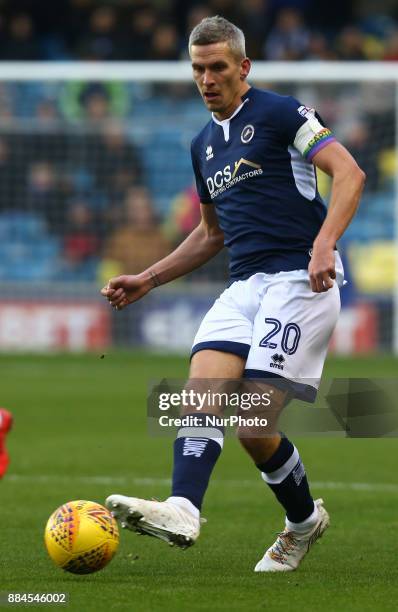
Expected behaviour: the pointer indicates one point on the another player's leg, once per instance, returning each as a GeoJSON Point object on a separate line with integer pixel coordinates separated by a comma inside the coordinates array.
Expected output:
{"type": "Point", "coordinates": [5, 426]}
{"type": "Point", "coordinates": [196, 451]}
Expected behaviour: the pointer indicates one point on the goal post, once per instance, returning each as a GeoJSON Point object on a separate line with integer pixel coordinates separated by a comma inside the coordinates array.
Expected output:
{"type": "Point", "coordinates": [181, 72]}
{"type": "Point", "coordinates": [63, 164]}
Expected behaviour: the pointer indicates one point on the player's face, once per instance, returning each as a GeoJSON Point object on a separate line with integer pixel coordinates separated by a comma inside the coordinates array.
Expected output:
{"type": "Point", "coordinates": [220, 77]}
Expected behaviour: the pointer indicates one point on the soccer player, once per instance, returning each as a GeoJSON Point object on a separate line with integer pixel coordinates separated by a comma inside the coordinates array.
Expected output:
{"type": "Point", "coordinates": [5, 426]}
{"type": "Point", "coordinates": [254, 164]}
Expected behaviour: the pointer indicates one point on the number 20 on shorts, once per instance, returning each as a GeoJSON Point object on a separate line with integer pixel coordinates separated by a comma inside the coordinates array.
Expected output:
{"type": "Point", "coordinates": [290, 337]}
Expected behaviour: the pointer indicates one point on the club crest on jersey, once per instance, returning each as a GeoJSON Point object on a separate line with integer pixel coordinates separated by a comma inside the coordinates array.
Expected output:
{"type": "Point", "coordinates": [209, 153]}
{"type": "Point", "coordinates": [247, 133]}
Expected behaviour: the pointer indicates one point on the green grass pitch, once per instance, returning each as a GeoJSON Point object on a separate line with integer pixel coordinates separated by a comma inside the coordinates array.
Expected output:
{"type": "Point", "coordinates": [80, 433]}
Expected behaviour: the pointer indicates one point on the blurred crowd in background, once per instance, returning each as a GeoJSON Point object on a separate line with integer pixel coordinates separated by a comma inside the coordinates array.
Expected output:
{"type": "Point", "coordinates": [96, 178]}
{"type": "Point", "coordinates": [159, 29]}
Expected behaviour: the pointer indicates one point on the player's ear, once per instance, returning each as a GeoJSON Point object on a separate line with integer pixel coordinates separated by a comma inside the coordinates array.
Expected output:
{"type": "Point", "coordinates": [245, 68]}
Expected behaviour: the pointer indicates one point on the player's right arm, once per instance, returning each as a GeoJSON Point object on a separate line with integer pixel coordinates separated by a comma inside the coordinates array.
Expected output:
{"type": "Point", "coordinates": [202, 244]}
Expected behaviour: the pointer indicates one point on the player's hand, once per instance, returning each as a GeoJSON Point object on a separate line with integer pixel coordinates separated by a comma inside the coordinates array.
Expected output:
{"type": "Point", "coordinates": [124, 290]}
{"type": "Point", "coordinates": [322, 268]}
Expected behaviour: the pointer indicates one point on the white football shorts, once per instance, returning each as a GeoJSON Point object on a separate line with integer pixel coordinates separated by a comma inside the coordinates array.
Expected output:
{"type": "Point", "coordinates": [278, 324]}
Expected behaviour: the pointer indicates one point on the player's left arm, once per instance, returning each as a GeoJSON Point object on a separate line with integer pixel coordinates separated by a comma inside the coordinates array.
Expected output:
{"type": "Point", "coordinates": [347, 183]}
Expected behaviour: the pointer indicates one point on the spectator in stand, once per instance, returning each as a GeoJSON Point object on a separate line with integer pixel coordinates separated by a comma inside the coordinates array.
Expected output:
{"type": "Point", "coordinates": [80, 241]}
{"type": "Point", "coordinates": [7, 101]}
{"type": "Point", "coordinates": [9, 184]}
{"type": "Point", "coordinates": [75, 21]}
{"type": "Point", "coordinates": [193, 17]}
{"type": "Point", "coordinates": [184, 215]}
{"type": "Point", "coordinates": [50, 21]}
{"type": "Point", "coordinates": [103, 40]}
{"type": "Point", "coordinates": [138, 38]}
{"type": "Point", "coordinates": [114, 162]}
{"type": "Point", "coordinates": [139, 241]}
{"type": "Point", "coordinates": [255, 19]}
{"type": "Point", "coordinates": [80, 245]}
{"type": "Point", "coordinates": [289, 38]}
{"type": "Point", "coordinates": [20, 42]}
{"type": "Point", "coordinates": [320, 48]}
{"type": "Point", "coordinates": [96, 104]}
{"type": "Point", "coordinates": [350, 45]}
{"type": "Point", "coordinates": [377, 103]}
{"type": "Point", "coordinates": [391, 48]}
{"type": "Point", "coordinates": [49, 139]}
{"type": "Point", "coordinates": [43, 195]}
{"type": "Point", "coordinates": [94, 101]}
{"type": "Point", "coordinates": [3, 28]}
{"type": "Point", "coordinates": [165, 44]}
{"type": "Point", "coordinates": [47, 112]}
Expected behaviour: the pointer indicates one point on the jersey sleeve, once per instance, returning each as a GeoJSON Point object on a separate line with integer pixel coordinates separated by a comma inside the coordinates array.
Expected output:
{"type": "Point", "coordinates": [201, 187]}
{"type": "Point", "coordinates": [304, 128]}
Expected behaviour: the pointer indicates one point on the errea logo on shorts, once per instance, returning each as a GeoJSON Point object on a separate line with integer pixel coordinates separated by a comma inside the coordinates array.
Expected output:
{"type": "Point", "coordinates": [226, 178]}
{"type": "Point", "coordinates": [277, 361]}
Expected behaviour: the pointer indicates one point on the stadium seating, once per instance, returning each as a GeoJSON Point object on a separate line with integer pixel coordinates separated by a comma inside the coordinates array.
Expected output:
{"type": "Point", "coordinates": [27, 251]}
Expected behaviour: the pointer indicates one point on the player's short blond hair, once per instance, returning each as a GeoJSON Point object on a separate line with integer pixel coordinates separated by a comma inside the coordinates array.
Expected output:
{"type": "Point", "coordinates": [217, 29]}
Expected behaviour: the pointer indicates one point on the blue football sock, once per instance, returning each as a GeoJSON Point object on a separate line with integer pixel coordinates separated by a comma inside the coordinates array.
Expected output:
{"type": "Point", "coordinates": [285, 474]}
{"type": "Point", "coordinates": [196, 451]}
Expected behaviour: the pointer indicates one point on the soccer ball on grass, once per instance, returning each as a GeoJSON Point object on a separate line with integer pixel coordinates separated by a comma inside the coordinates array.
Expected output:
{"type": "Point", "coordinates": [81, 537]}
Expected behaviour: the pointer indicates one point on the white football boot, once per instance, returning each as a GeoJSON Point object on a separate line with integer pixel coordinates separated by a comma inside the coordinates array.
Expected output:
{"type": "Point", "coordinates": [286, 554]}
{"type": "Point", "coordinates": [164, 520]}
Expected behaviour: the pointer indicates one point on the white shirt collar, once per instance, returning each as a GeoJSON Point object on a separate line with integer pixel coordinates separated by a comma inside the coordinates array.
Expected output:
{"type": "Point", "coordinates": [225, 123]}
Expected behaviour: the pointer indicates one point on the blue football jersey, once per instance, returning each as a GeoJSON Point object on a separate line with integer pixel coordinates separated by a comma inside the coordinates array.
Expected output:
{"type": "Point", "coordinates": [256, 168]}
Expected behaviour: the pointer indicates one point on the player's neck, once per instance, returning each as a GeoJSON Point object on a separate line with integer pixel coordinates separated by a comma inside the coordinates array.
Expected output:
{"type": "Point", "coordinates": [237, 102]}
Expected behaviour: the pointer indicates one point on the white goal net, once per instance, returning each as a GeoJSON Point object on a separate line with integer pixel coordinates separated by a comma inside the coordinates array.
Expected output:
{"type": "Point", "coordinates": [96, 180]}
